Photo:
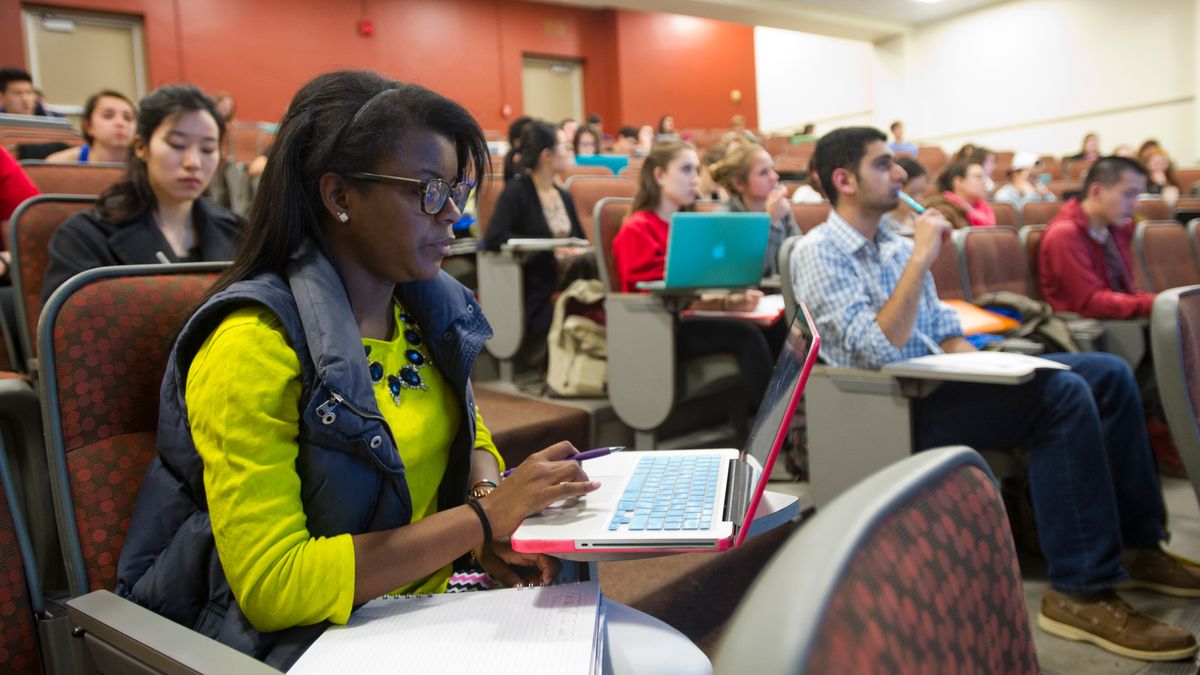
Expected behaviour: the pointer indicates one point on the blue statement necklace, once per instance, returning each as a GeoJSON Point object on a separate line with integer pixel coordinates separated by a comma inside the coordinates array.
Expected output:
{"type": "Point", "coordinates": [409, 375]}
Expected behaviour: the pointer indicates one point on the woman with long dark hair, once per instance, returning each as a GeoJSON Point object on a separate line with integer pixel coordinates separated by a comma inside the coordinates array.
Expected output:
{"type": "Point", "coordinates": [319, 443]}
{"type": "Point", "coordinates": [157, 212]}
{"type": "Point", "coordinates": [534, 205]}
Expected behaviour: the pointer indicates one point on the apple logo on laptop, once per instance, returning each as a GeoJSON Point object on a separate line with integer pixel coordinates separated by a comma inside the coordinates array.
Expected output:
{"type": "Point", "coordinates": [718, 252]}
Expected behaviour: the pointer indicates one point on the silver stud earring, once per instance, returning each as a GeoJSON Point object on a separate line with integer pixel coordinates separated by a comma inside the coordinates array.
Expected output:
{"type": "Point", "coordinates": [343, 217]}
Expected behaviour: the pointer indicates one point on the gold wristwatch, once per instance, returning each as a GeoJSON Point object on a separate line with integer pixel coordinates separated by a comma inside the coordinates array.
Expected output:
{"type": "Point", "coordinates": [481, 489]}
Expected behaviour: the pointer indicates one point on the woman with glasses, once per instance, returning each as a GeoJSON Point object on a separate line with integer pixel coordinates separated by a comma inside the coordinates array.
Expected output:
{"type": "Point", "coordinates": [319, 443]}
{"type": "Point", "coordinates": [963, 198]}
{"type": "Point", "coordinates": [534, 205]}
{"type": "Point", "coordinates": [157, 212]}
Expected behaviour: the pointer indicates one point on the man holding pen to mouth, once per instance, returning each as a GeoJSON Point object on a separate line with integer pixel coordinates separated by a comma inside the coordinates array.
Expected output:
{"type": "Point", "coordinates": [1095, 492]}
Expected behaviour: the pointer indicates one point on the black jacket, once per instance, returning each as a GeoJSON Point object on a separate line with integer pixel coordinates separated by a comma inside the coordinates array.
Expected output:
{"type": "Point", "coordinates": [86, 241]}
{"type": "Point", "coordinates": [518, 214]}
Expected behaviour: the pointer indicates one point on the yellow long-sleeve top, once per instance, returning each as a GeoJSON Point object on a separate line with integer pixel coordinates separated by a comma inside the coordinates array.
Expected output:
{"type": "Point", "coordinates": [243, 400]}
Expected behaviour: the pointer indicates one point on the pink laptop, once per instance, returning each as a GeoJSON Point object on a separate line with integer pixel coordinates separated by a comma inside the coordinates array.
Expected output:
{"type": "Point", "coordinates": [681, 500]}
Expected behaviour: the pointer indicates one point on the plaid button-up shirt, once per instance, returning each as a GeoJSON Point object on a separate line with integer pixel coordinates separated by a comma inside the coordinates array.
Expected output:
{"type": "Point", "coordinates": [844, 279]}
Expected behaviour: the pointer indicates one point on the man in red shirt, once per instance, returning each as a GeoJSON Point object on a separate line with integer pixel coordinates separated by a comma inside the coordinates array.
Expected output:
{"type": "Point", "coordinates": [1085, 261]}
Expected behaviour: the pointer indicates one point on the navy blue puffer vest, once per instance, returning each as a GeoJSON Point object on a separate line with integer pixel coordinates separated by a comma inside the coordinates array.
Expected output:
{"type": "Point", "coordinates": [352, 479]}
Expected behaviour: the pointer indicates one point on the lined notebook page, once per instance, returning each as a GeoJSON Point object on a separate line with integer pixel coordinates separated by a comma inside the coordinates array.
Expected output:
{"type": "Point", "coordinates": [552, 630]}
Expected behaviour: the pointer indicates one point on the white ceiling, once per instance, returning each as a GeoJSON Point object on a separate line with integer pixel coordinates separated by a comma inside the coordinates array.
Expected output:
{"type": "Point", "coordinates": [869, 20]}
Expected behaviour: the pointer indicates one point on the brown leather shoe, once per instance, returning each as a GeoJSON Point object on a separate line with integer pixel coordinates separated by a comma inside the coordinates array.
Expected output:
{"type": "Point", "coordinates": [1157, 570]}
{"type": "Point", "coordinates": [1108, 622]}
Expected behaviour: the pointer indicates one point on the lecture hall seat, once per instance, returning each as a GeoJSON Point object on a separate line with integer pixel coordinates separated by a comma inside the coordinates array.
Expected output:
{"type": "Point", "coordinates": [881, 576]}
{"type": "Point", "coordinates": [1175, 342]}
{"type": "Point", "coordinates": [72, 178]}
{"type": "Point", "coordinates": [30, 230]}
{"type": "Point", "coordinates": [649, 390]}
{"type": "Point", "coordinates": [1164, 256]}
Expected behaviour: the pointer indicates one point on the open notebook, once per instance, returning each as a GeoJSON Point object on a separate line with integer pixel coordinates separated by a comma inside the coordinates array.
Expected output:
{"type": "Point", "coordinates": [548, 630]}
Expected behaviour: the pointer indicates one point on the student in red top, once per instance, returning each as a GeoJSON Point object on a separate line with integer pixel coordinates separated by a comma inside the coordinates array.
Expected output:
{"type": "Point", "coordinates": [1085, 260]}
{"type": "Point", "coordinates": [15, 187]}
{"type": "Point", "coordinates": [667, 184]}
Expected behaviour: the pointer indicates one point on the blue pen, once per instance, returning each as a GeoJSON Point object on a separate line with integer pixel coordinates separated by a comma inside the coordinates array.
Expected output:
{"type": "Point", "coordinates": [579, 457]}
{"type": "Point", "coordinates": [912, 203]}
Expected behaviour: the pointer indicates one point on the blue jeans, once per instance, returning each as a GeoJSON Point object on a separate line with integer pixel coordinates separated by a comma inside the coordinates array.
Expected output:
{"type": "Point", "coordinates": [1092, 477]}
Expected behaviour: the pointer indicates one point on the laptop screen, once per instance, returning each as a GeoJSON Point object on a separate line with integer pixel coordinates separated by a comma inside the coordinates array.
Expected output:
{"type": "Point", "coordinates": [778, 406]}
{"type": "Point", "coordinates": [613, 163]}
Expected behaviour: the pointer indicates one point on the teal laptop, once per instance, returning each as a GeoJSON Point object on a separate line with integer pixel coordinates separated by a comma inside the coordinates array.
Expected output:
{"type": "Point", "coordinates": [714, 250]}
{"type": "Point", "coordinates": [613, 163]}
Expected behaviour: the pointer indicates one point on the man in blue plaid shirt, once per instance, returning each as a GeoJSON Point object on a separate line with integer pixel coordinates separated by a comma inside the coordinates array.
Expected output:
{"type": "Point", "coordinates": [1096, 495]}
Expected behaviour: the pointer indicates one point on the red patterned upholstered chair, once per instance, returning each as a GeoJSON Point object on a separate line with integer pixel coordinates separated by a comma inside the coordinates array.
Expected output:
{"type": "Point", "coordinates": [72, 178]}
{"type": "Point", "coordinates": [913, 570]}
{"type": "Point", "coordinates": [1175, 341]}
{"type": "Point", "coordinates": [587, 191]}
{"type": "Point", "coordinates": [809, 216]}
{"type": "Point", "coordinates": [992, 259]}
{"type": "Point", "coordinates": [485, 199]}
{"type": "Point", "coordinates": [105, 336]}
{"type": "Point", "coordinates": [1039, 213]}
{"type": "Point", "coordinates": [32, 225]}
{"type": "Point", "coordinates": [1031, 239]}
{"type": "Point", "coordinates": [645, 388]}
{"type": "Point", "coordinates": [20, 592]}
{"type": "Point", "coordinates": [1163, 256]}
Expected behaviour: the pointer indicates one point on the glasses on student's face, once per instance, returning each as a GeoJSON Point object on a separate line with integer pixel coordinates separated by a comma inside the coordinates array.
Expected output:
{"type": "Point", "coordinates": [434, 192]}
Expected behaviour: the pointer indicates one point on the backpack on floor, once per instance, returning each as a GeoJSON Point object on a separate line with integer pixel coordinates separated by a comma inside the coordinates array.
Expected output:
{"type": "Point", "coordinates": [577, 343]}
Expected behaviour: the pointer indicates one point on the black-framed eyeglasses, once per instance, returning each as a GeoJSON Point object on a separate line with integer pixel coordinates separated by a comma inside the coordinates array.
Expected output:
{"type": "Point", "coordinates": [434, 191]}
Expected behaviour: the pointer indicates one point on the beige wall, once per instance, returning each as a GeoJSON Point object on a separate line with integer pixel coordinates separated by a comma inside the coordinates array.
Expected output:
{"type": "Point", "coordinates": [1025, 75]}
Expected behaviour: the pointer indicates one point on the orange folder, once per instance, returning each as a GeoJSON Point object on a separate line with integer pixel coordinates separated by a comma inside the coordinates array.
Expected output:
{"type": "Point", "coordinates": [979, 320]}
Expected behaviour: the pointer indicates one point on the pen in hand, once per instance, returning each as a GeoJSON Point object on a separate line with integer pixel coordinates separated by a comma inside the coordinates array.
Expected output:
{"type": "Point", "coordinates": [912, 203]}
{"type": "Point", "coordinates": [579, 457]}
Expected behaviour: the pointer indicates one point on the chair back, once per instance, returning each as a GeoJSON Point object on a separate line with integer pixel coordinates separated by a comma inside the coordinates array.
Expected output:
{"type": "Point", "coordinates": [72, 178]}
{"type": "Point", "coordinates": [1031, 239]}
{"type": "Point", "coordinates": [992, 259]}
{"type": "Point", "coordinates": [912, 570]}
{"type": "Point", "coordinates": [809, 216]}
{"type": "Point", "coordinates": [1153, 209]}
{"type": "Point", "coordinates": [485, 200]}
{"type": "Point", "coordinates": [1164, 256]}
{"type": "Point", "coordinates": [785, 277]}
{"type": "Point", "coordinates": [11, 138]}
{"type": "Point", "coordinates": [631, 171]}
{"type": "Point", "coordinates": [1075, 169]}
{"type": "Point", "coordinates": [1193, 228]}
{"type": "Point", "coordinates": [1005, 214]}
{"type": "Point", "coordinates": [585, 170]}
{"type": "Point", "coordinates": [1187, 177]}
{"type": "Point", "coordinates": [1187, 208]}
{"type": "Point", "coordinates": [19, 584]}
{"type": "Point", "coordinates": [609, 213]}
{"type": "Point", "coordinates": [30, 230]}
{"type": "Point", "coordinates": [105, 336]}
{"type": "Point", "coordinates": [1039, 213]}
{"type": "Point", "coordinates": [588, 190]}
{"type": "Point", "coordinates": [1175, 345]}
{"type": "Point", "coordinates": [947, 274]}
{"type": "Point", "coordinates": [932, 158]}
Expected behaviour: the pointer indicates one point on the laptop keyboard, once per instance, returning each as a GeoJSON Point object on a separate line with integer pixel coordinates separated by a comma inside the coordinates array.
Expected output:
{"type": "Point", "coordinates": [669, 493]}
